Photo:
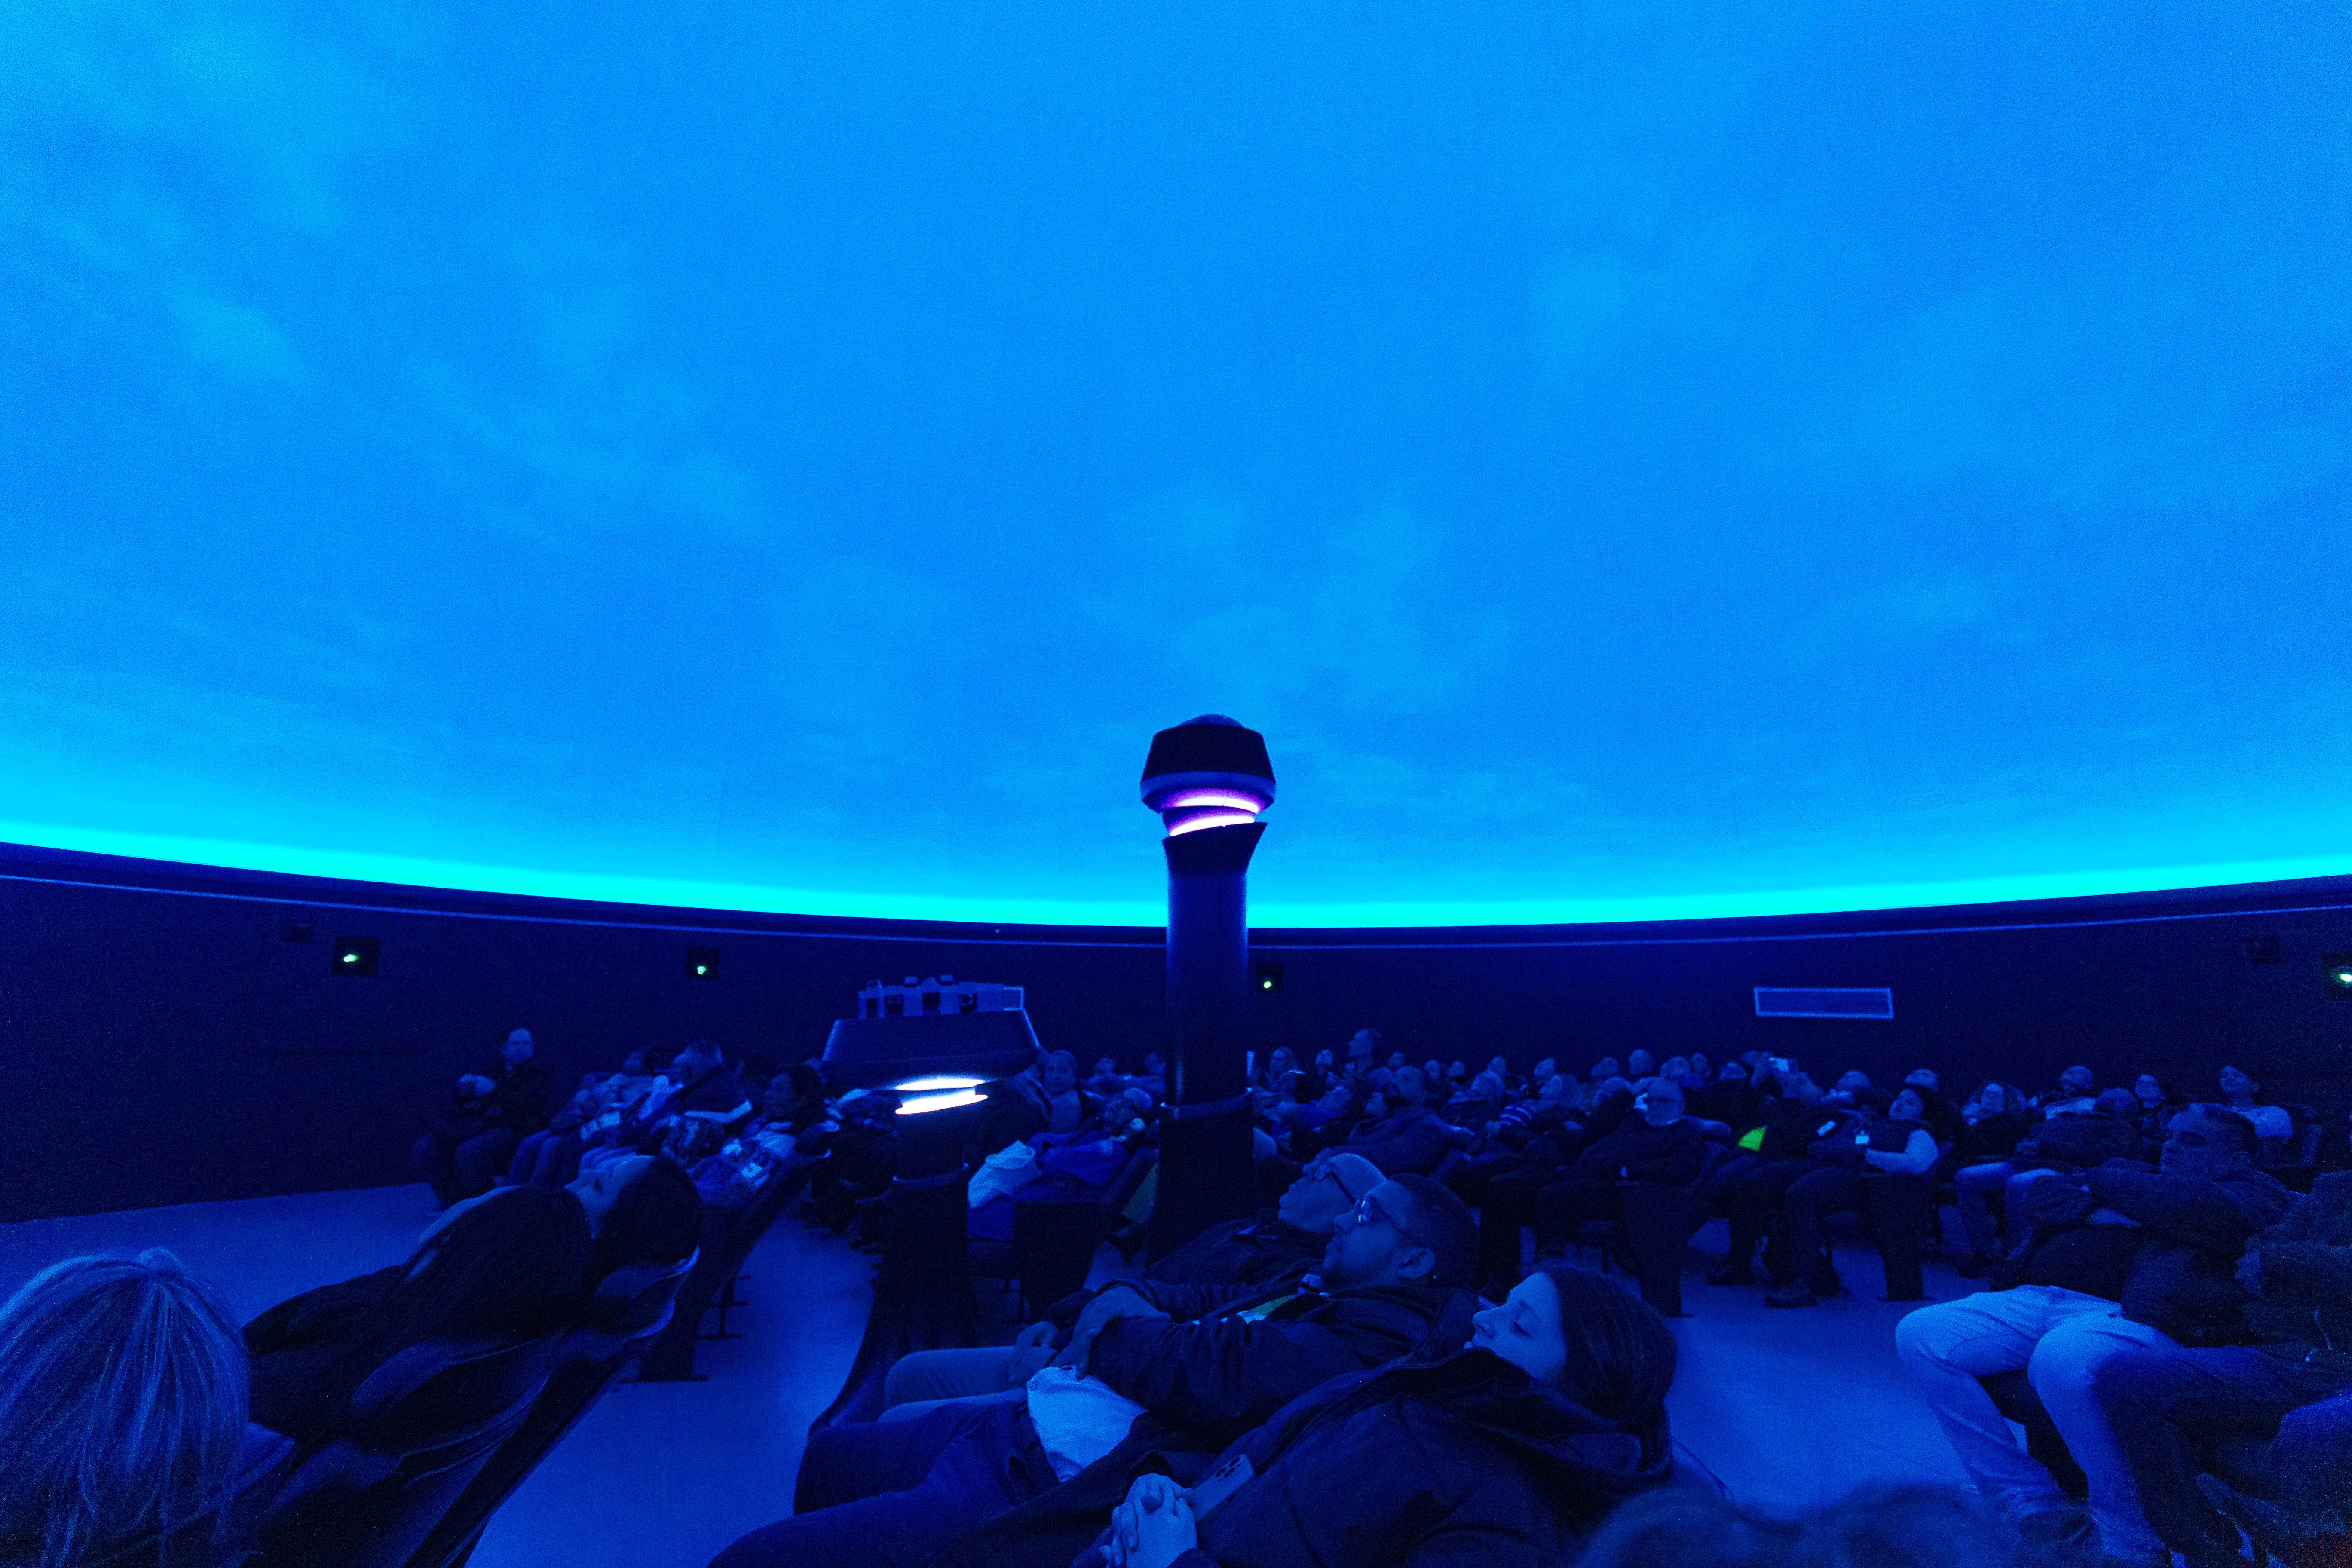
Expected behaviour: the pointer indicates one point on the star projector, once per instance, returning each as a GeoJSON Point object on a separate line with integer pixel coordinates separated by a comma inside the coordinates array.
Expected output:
{"type": "Point", "coordinates": [1209, 772]}
{"type": "Point", "coordinates": [1208, 778]}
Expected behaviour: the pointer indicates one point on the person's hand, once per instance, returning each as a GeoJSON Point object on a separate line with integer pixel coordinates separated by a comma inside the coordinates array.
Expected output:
{"type": "Point", "coordinates": [1113, 1304]}
{"type": "Point", "coordinates": [1154, 1526]}
{"type": "Point", "coordinates": [1033, 1348]}
{"type": "Point", "coordinates": [2249, 1272]}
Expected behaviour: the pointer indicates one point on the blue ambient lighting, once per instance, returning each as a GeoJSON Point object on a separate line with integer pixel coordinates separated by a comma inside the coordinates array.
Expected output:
{"type": "Point", "coordinates": [1629, 462]}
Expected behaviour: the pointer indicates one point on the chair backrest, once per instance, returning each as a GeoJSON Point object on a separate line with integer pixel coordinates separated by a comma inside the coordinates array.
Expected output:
{"type": "Point", "coordinates": [2299, 1148]}
{"type": "Point", "coordinates": [417, 1430]}
{"type": "Point", "coordinates": [1131, 1176]}
{"type": "Point", "coordinates": [631, 1306]}
{"type": "Point", "coordinates": [627, 1299]}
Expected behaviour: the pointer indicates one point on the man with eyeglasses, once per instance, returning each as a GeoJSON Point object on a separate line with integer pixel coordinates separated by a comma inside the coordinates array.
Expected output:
{"type": "Point", "coordinates": [1172, 1371]}
{"type": "Point", "coordinates": [1274, 1247]}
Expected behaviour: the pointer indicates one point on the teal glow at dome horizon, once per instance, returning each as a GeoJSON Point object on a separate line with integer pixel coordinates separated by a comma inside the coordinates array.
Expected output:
{"type": "Point", "coordinates": [1630, 462]}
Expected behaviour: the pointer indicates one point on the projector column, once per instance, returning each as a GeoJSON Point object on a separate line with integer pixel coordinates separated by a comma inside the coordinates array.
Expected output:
{"type": "Point", "coordinates": [1208, 779]}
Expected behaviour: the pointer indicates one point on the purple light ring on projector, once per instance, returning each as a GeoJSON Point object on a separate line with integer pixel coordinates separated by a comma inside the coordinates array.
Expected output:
{"type": "Point", "coordinates": [1160, 789]}
{"type": "Point", "coordinates": [1217, 817]}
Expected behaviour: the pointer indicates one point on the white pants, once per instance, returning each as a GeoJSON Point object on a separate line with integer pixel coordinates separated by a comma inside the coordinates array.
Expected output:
{"type": "Point", "coordinates": [921, 1381]}
{"type": "Point", "coordinates": [2058, 1338]}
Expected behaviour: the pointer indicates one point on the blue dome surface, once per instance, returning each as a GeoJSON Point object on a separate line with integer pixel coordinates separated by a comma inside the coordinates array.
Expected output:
{"type": "Point", "coordinates": [1629, 459]}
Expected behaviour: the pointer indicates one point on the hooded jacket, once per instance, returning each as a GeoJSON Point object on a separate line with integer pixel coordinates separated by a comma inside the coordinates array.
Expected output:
{"type": "Point", "coordinates": [1462, 1460]}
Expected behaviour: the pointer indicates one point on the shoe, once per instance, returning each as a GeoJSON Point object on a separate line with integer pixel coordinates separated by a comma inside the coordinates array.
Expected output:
{"type": "Point", "coordinates": [2061, 1535]}
{"type": "Point", "coordinates": [2273, 1529]}
{"type": "Point", "coordinates": [1974, 1267]}
{"type": "Point", "coordinates": [1732, 1271]}
{"type": "Point", "coordinates": [1792, 1296]}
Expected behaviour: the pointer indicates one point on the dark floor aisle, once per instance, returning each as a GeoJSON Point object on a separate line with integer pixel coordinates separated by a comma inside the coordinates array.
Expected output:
{"type": "Point", "coordinates": [1787, 1407]}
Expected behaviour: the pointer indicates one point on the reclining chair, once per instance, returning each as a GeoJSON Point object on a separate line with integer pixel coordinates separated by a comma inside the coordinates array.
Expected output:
{"type": "Point", "coordinates": [415, 1435]}
{"type": "Point", "coordinates": [628, 1312]}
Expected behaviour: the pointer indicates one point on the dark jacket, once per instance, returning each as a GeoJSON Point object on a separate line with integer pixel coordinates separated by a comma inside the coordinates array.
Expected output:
{"type": "Point", "coordinates": [1993, 1137]}
{"type": "Point", "coordinates": [518, 1100]}
{"type": "Point", "coordinates": [1464, 1460]}
{"type": "Point", "coordinates": [1411, 1142]}
{"type": "Point", "coordinates": [2191, 1232]}
{"type": "Point", "coordinates": [2079, 1142]}
{"type": "Point", "coordinates": [1731, 1102]}
{"type": "Point", "coordinates": [2306, 1305]}
{"type": "Point", "coordinates": [1216, 1366]}
{"type": "Point", "coordinates": [1790, 1128]}
{"type": "Point", "coordinates": [1218, 1385]}
{"type": "Point", "coordinates": [1638, 1151]}
{"type": "Point", "coordinates": [1263, 1251]}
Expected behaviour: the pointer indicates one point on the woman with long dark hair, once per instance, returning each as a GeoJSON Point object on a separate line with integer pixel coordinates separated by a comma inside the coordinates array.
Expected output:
{"type": "Point", "coordinates": [512, 1264]}
{"type": "Point", "coordinates": [1508, 1452]}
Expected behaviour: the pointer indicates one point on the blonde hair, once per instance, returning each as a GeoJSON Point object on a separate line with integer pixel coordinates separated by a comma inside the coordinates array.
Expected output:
{"type": "Point", "coordinates": [122, 1399]}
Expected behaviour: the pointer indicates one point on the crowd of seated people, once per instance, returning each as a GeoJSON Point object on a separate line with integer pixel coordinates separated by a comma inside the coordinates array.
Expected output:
{"type": "Point", "coordinates": [1366, 1371]}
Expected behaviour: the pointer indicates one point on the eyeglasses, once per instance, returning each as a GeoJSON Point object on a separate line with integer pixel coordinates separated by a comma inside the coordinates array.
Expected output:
{"type": "Point", "coordinates": [1367, 1212]}
{"type": "Point", "coordinates": [1321, 1171]}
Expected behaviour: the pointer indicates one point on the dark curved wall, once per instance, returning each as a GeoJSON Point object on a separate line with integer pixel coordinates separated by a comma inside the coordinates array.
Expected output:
{"type": "Point", "coordinates": [168, 1047]}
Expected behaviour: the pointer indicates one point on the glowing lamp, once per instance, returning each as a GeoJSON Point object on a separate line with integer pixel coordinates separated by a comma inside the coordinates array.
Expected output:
{"type": "Point", "coordinates": [917, 1105]}
{"type": "Point", "coordinates": [1209, 772]}
{"type": "Point", "coordinates": [2338, 970]}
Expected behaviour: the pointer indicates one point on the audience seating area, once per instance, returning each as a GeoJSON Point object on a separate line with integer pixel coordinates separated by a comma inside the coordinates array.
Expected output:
{"type": "Point", "coordinates": [1622, 1167]}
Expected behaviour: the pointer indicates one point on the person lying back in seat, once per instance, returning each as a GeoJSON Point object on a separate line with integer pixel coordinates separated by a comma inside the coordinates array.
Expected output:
{"type": "Point", "coordinates": [1508, 1452]}
{"type": "Point", "coordinates": [1172, 1369]}
{"type": "Point", "coordinates": [513, 1263]}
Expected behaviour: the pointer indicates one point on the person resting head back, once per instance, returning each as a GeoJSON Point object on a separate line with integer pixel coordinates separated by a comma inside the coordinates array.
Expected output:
{"type": "Point", "coordinates": [123, 1399]}
{"type": "Point", "coordinates": [644, 1211]}
{"type": "Point", "coordinates": [510, 1264]}
{"type": "Point", "coordinates": [1409, 1230]}
{"type": "Point", "coordinates": [778, 1100]}
{"type": "Point", "coordinates": [2116, 1103]}
{"type": "Point", "coordinates": [1571, 1330]}
{"type": "Point", "coordinates": [1507, 1450]}
{"type": "Point", "coordinates": [2208, 1141]}
{"type": "Point", "coordinates": [1659, 1101]}
{"type": "Point", "coordinates": [1331, 1185]}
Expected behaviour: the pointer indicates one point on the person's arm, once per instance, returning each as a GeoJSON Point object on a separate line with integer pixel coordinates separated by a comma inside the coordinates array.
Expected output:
{"type": "Point", "coordinates": [1185, 1302]}
{"type": "Point", "coordinates": [2188, 1208]}
{"type": "Point", "coordinates": [1225, 1373]}
{"type": "Point", "coordinates": [1677, 1165]}
{"type": "Point", "coordinates": [1917, 1156]}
